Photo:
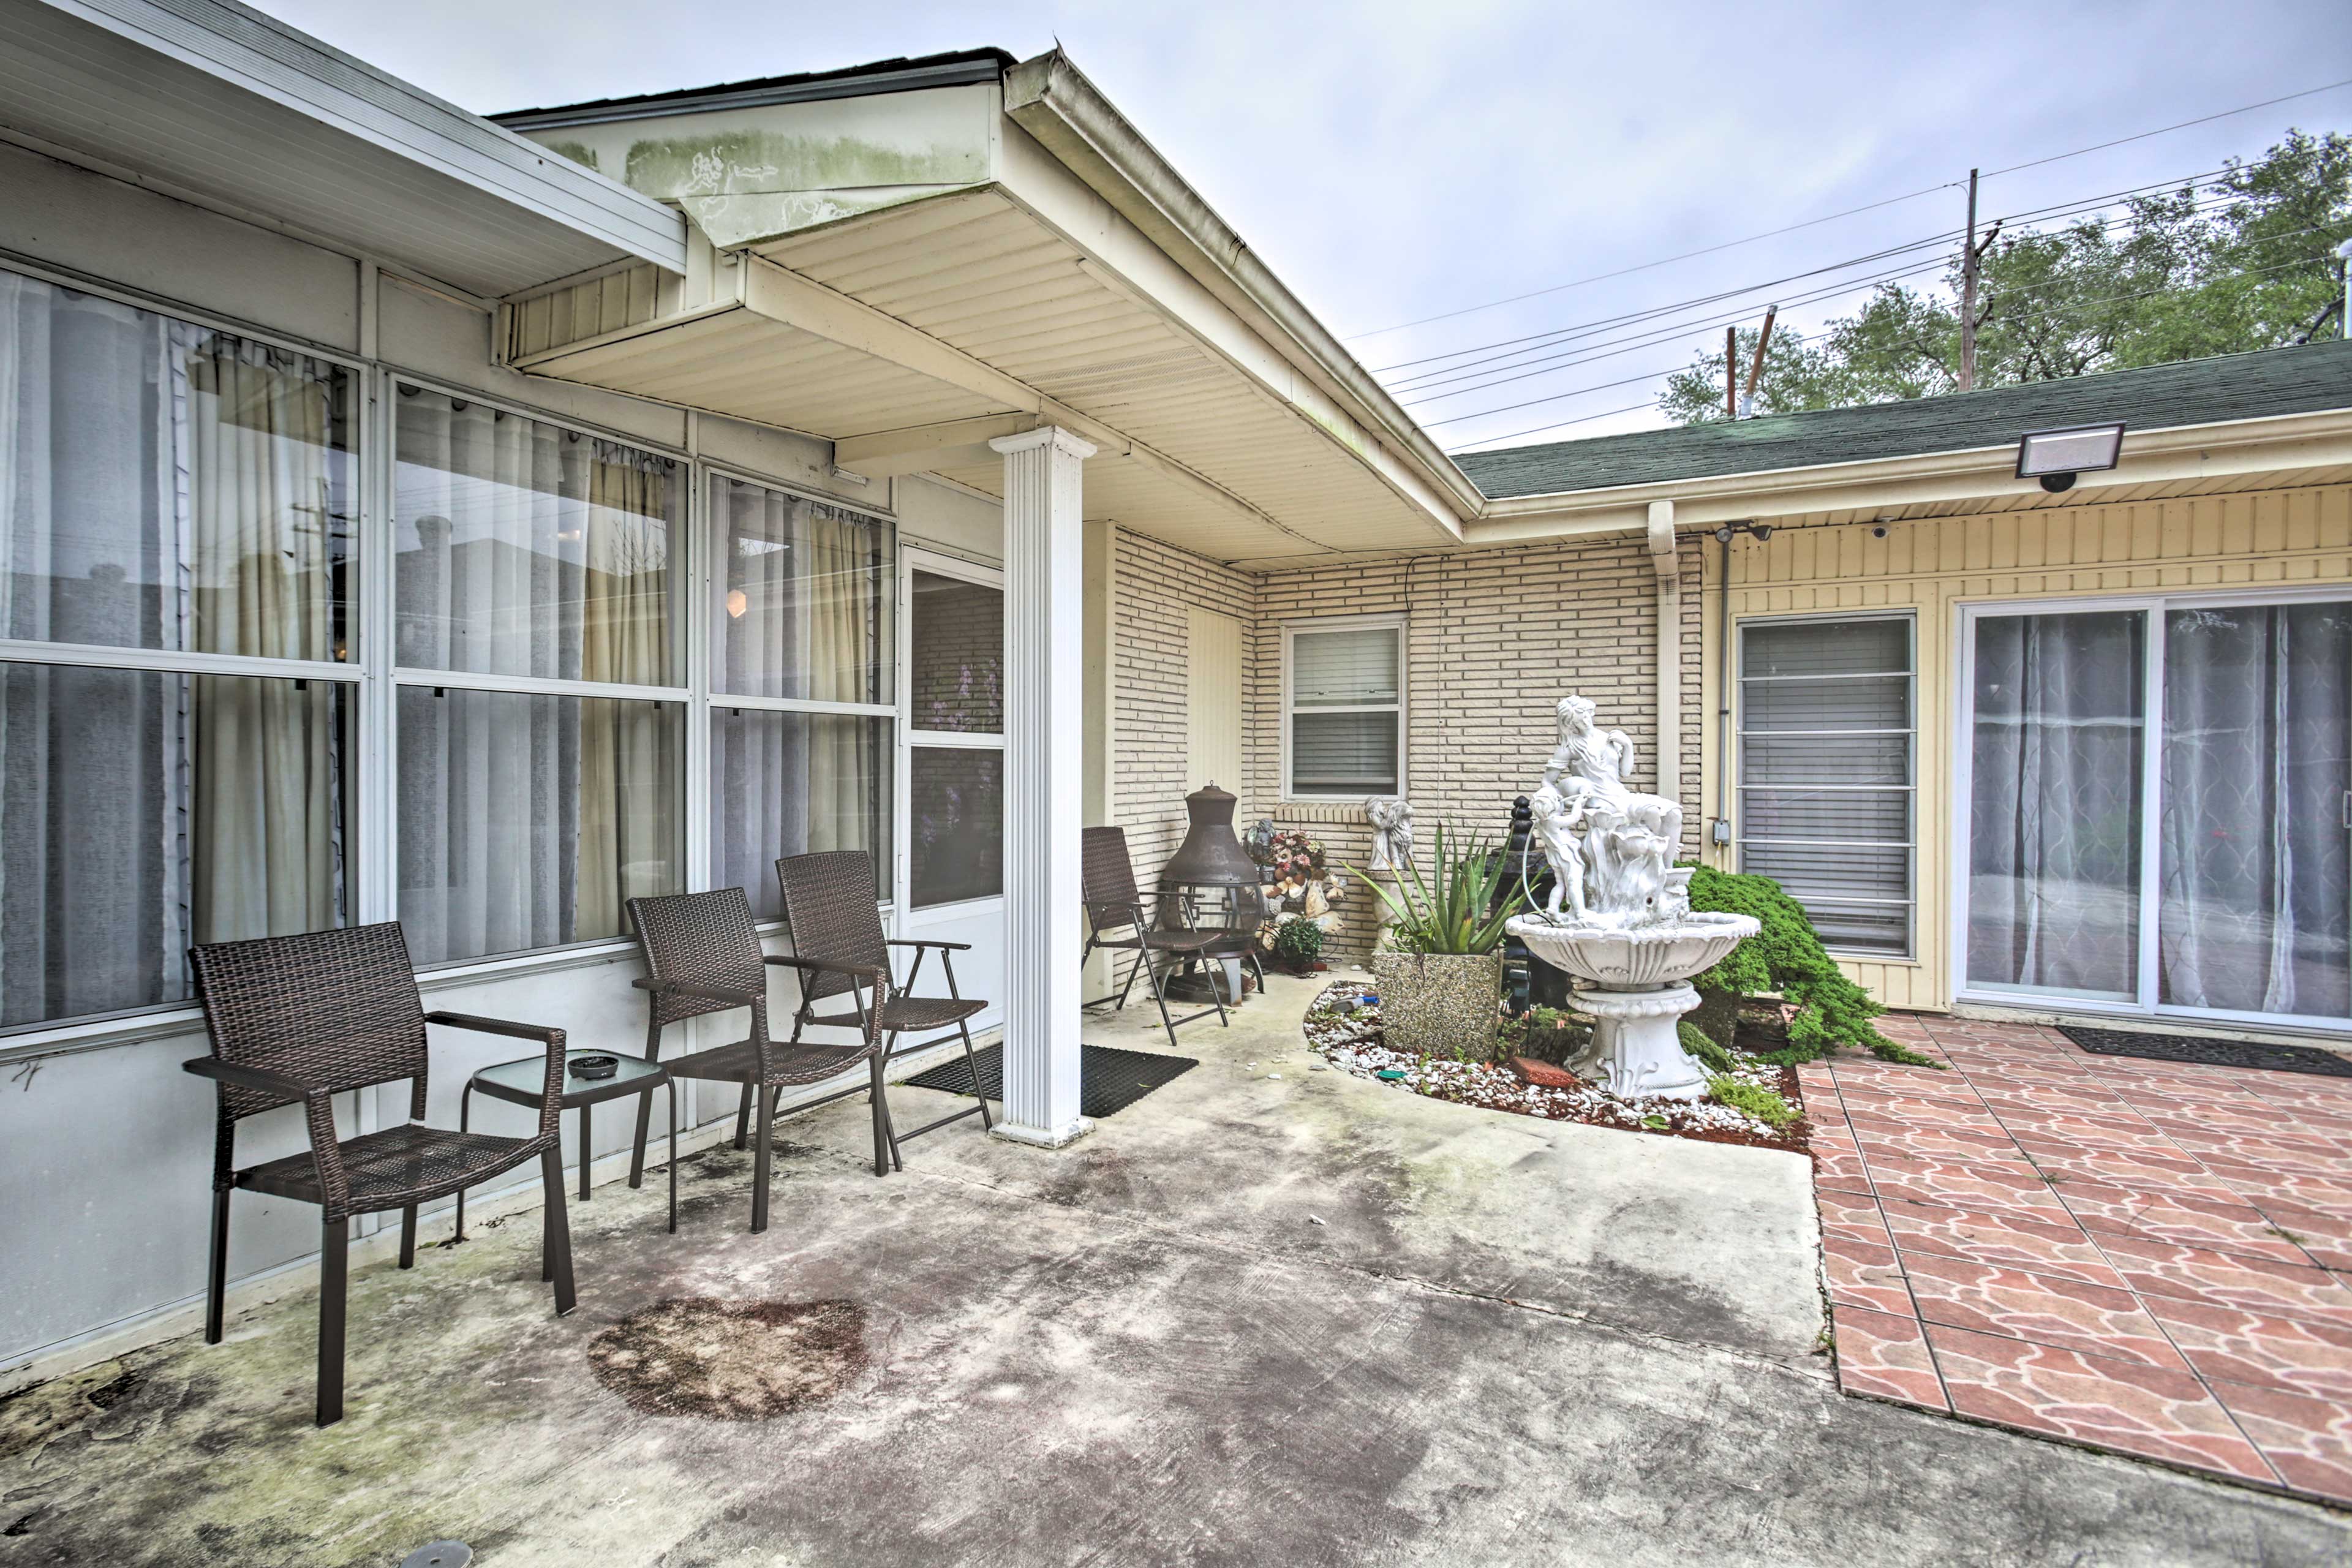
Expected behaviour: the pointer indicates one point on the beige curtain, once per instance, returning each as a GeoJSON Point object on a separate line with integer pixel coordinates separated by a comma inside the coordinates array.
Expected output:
{"type": "Point", "coordinates": [265, 816]}
{"type": "Point", "coordinates": [628, 798]}
{"type": "Point", "coordinates": [843, 626]}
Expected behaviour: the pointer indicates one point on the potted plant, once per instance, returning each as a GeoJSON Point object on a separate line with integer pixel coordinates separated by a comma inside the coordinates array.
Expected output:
{"type": "Point", "coordinates": [1296, 942]}
{"type": "Point", "coordinates": [1440, 976]}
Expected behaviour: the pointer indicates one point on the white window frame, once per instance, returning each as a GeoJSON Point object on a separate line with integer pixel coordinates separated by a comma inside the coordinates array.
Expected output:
{"type": "Point", "coordinates": [1291, 630]}
{"type": "Point", "coordinates": [2153, 606]}
{"type": "Point", "coordinates": [911, 560]}
{"type": "Point", "coordinates": [1909, 845]}
{"type": "Point", "coordinates": [131, 1024]}
{"type": "Point", "coordinates": [704, 660]}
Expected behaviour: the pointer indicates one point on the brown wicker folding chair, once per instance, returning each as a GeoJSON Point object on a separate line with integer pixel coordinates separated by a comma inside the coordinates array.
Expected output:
{"type": "Point", "coordinates": [702, 955]}
{"type": "Point", "coordinates": [836, 929]}
{"type": "Point", "coordinates": [300, 1020]}
{"type": "Point", "coordinates": [1113, 905]}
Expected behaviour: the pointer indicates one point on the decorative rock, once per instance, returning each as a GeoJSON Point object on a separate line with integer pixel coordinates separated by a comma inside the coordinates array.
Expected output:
{"type": "Point", "coordinates": [1545, 1075]}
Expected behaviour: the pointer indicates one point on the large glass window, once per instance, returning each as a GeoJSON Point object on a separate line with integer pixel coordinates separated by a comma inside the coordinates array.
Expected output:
{"type": "Point", "coordinates": [166, 489]}
{"type": "Point", "coordinates": [1344, 689]}
{"type": "Point", "coordinates": [534, 798]}
{"type": "Point", "coordinates": [801, 738]}
{"type": "Point", "coordinates": [1825, 780]}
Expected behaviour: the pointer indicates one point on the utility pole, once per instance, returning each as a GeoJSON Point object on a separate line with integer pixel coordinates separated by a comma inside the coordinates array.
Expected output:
{"type": "Point", "coordinates": [1969, 295]}
{"type": "Point", "coordinates": [1755, 369]}
{"type": "Point", "coordinates": [1731, 373]}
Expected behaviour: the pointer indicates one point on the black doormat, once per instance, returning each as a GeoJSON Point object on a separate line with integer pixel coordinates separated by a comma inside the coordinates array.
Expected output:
{"type": "Point", "coordinates": [2207, 1052]}
{"type": "Point", "coordinates": [1109, 1080]}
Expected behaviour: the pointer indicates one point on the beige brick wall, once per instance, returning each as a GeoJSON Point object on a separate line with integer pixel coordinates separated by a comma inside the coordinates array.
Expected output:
{"type": "Point", "coordinates": [1494, 640]}
{"type": "Point", "coordinates": [1155, 584]}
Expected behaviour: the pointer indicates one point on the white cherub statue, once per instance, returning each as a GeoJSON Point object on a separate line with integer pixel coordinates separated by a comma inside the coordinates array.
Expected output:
{"type": "Point", "coordinates": [1392, 819]}
{"type": "Point", "coordinates": [1560, 810]}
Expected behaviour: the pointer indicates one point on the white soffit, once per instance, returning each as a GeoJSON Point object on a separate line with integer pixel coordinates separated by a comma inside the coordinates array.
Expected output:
{"type": "Point", "coordinates": [220, 102]}
{"type": "Point", "coordinates": [981, 274]}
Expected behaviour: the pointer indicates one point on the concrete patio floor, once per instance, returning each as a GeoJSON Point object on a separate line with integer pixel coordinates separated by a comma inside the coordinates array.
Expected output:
{"type": "Point", "coordinates": [2146, 1254]}
{"type": "Point", "coordinates": [1507, 1341]}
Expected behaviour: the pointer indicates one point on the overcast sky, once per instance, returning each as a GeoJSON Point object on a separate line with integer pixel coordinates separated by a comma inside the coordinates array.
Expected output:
{"type": "Point", "coordinates": [1394, 162]}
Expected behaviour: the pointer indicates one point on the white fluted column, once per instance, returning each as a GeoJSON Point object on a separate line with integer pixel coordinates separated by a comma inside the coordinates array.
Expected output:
{"type": "Point", "coordinates": [1045, 729]}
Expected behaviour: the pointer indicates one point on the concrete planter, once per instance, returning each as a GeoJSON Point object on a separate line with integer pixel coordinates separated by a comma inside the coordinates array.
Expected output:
{"type": "Point", "coordinates": [1440, 1004]}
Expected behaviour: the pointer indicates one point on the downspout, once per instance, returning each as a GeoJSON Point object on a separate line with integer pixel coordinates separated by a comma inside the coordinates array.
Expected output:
{"type": "Point", "coordinates": [1722, 831]}
{"type": "Point", "coordinates": [1670, 651]}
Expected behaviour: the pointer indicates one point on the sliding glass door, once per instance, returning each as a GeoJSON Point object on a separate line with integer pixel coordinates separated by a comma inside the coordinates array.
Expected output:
{"type": "Point", "coordinates": [2159, 805]}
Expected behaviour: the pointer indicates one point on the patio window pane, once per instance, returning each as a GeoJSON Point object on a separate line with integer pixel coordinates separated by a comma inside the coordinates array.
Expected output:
{"type": "Point", "coordinates": [526, 821]}
{"type": "Point", "coordinates": [141, 812]}
{"type": "Point", "coordinates": [165, 485]}
{"type": "Point", "coordinates": [1825, 807]}
{"type": "Point", "coordinates": [527, 549]}
{"type": "Point", "coordinates": [803, 597]}
{"type": "Point", "coordinates": [955, 846]}
{"type": "Point", "coordinates": [2054, 815]}
{"type": "Point", "coordinates": [1346, 721]}
{"type": "Point", "coordinates": [956, 665]}
{"type": "Point", "coordinates": [788, 783]}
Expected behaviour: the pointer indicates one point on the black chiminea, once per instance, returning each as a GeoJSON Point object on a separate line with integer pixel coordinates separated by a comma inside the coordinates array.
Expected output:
{"type": "Point", "coordinates": [1221, 884]}
{"type": "Point", "coordinates": [1212, 855]}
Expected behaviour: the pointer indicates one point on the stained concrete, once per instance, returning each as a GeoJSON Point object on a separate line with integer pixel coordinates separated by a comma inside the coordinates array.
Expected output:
{"type": "Point", "coordinates": [1506, 1343]}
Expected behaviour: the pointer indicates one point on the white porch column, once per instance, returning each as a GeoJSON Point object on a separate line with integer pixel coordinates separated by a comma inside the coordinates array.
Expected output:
{"type": "Point", "coordinates": [1045, 783]}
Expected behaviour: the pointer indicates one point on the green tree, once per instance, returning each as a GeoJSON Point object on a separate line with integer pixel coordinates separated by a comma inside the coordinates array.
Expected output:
{"type": "Point", "coordinates": [2246, 263]}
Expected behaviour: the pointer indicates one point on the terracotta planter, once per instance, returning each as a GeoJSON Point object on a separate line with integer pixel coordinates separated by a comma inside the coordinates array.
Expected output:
{"type": "Point", "coordinates": [1440, 1004]}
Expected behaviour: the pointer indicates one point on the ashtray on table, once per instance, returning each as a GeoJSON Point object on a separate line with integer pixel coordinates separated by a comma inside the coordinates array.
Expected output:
{"type": "Point", "coordinates": [596, 1066]}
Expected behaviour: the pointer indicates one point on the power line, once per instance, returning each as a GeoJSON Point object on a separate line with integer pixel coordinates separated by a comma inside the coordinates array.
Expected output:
{"type": "Point", "coordinates": [1561, 397]}
{"type": "Point", "coordinates": [1414, 391]}
{"type": "Point", "coordinates": [1535, 340]}
{"type": "Point", "coordinates": [1850, 212]}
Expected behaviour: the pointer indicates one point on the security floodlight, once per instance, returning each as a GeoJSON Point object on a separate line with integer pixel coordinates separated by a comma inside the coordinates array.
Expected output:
{"type": "Point", "coordinates": [2055, 456]}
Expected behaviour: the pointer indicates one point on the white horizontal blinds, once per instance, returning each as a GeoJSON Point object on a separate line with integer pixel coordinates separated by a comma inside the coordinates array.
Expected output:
{"type": "Point", "coordinates": [1825, 773]}
{"type": "Point", "coordinates": [1346, 699]}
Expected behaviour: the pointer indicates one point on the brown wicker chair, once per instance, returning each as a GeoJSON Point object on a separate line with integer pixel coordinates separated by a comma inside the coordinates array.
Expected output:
{"type": "Point", "coordinates": [300, 1020]}
{"type": "Point", "coordinates": [702, 955]}
{"type": "Point", "coordinates": [830, 905]}
{"type": "Point", "coordinates": [1113, 905]}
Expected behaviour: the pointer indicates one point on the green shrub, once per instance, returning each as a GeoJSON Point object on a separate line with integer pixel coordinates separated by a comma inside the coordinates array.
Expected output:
{"type": "Point", "coordinates": [1694, 1041]}
{"type": "Point", "coordinates": [1787, 959]}
{"type": "Point", "coordinates": [1753, 1100]}
{"type": "Point", "coordinates": [1298, 940]}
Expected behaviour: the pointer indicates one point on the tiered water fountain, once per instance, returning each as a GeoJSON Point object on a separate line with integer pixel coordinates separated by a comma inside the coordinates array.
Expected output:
{"type": "Point", "coordinates": [1619, 919]}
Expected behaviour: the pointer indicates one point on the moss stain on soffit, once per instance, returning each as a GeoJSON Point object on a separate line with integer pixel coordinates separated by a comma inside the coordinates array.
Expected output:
{"type": "Point", "coordinates": [743, 186]}
{"type": "Point", "coordinates": [578, 152]}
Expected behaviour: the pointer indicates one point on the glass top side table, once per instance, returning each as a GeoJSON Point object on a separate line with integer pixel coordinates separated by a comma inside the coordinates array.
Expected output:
{"type": "Point", "coordinates": [523, 1080]}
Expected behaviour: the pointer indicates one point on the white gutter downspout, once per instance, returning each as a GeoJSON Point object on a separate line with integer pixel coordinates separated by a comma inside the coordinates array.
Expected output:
{"type": "Point", "coordinates": [1670, 651]}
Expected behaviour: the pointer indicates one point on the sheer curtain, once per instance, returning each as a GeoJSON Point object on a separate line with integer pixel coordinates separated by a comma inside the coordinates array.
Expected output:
{"type": "Point", "coordinates": [2054, 823]}
{"type": "Point", "coordinates": [527, 819]}
{"type": "Point", "coordinates": [2257, 896]}
{"type": "Point", "coordinates": [802, 615]}
{"type": "Point", "coordinates": [167, 487]}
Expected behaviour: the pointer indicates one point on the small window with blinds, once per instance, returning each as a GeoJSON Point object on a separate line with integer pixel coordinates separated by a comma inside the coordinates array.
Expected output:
{"type": "Point", "coordinates": [1343, 709]}
{"type": "Point", "coordinates": [1827, 726]}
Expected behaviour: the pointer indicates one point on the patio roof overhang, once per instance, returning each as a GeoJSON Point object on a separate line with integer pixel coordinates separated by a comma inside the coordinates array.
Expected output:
{"type": "Point", "coordinates": [909, 273]}
{"type": "Point", "coordinates": [229, 109]}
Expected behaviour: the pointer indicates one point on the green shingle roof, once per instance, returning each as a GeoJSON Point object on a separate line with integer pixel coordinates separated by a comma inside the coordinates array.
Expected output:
{"type": "Point", "coordinates": [2194, 392]}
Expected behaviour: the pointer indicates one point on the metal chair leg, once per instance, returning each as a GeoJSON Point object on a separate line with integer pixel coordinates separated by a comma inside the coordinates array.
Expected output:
{"type": "Point", "coordinates": [744, 1119]}
{"type": "Point", "coordinates": [217, 1274]}
{"type": "Point", "coordinates": [759, 1166]}
{"type": "Point", "coordinates": [971, 1065]}
{"type": "Point", "coordinates": [555, 1251]}
{"type": "Point", "coordinates": [334, 1281]}
{"type": "Point", "coordinates": [1142, 956]}
{"type": "Point", "coordinates": [1159, 994]}
{"type": "Point", "coordinates": [886, 1147]}
{"type": "Point", "coordinates": [408, 1236]}
{"type": "Point", "coordinates": [673, 1153]}
{"type": "Point", "coordinates": [637, 1150]}
{"type": "Point", "coordinates": [465, 1119]}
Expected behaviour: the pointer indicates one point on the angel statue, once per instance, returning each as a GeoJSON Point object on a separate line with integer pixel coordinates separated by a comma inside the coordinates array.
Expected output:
{"type": "Point", "coordinates": [1391, 819]}
{"type": "Point", "coordinates": [1629, 837]}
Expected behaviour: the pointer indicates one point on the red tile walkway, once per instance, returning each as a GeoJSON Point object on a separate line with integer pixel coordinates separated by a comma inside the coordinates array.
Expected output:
{"type": "Point", "coordinates": [2137, 1255]}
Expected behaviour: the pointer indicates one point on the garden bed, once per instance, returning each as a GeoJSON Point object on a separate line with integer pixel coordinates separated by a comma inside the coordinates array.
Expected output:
{"type": "Point", "coordinates": [1351, 1041]}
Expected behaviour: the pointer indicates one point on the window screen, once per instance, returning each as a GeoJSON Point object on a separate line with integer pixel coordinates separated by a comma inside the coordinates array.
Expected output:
{"type": "Point", "coordinates": [1347, 704]}
{"type": "Point", "coordinates": [1825, 773]}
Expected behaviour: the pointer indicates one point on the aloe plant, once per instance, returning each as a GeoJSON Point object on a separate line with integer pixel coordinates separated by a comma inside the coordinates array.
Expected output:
{"type": "Point", "coordinates": [1457, 909]}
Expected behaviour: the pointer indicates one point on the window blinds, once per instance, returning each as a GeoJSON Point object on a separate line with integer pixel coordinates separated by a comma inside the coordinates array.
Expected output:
{"type": "Point", "coordinates": [1345, 693]}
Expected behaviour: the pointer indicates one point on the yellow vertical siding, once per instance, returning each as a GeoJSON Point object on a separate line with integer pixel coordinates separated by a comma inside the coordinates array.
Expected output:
{"type": "Point", "coordinates": [1933, 566]}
